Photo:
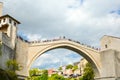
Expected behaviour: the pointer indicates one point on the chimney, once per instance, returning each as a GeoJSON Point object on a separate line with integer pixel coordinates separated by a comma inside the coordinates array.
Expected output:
{"type": "Point", "coordinates": [1, 7]}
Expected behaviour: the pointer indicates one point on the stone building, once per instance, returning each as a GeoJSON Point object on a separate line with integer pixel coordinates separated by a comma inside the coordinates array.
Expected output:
{"type": "Point", "coordinates": [82, 64]}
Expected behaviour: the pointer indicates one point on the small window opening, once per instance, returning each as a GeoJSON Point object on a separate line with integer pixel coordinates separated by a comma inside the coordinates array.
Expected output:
{"type": "Point", "coordinates": [106, 46]}
{"type": "Point", "coordinates": [4, 20]}
{"type": "Point", "coordinates": [10, 21]}
{"type": "Point", "coordinates": [14, 23]}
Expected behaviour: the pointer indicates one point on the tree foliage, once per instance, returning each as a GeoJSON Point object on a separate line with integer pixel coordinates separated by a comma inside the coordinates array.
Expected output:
{"type": "Point", "coordinates": [7, 75]}
{"type": "Point", "coordinates": [75, 68]}
{"type": "Point", "coordinates": [12, 65]}
{"type": "Point", "coordinates": [36, 74]}
{"type": "Point", "coordinates": [88, 73]}
{"type": "Point", "coordinates": [69, 66]}
{"type": "Point", "coordinates": [60, 68]}
{"type": "Point", "coordinates": [12, 75]}
{"type": "Point", "coordinates": [56, 77]}
{"type": "Point", "coordinates": [4, 75]}
{"type": "Point", "coordinates": [44, 75]}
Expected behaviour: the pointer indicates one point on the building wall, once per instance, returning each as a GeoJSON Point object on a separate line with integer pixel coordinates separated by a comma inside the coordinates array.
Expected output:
{"type": "Point", "coordinates": [110, 42]}
{"type": "Point", "coordinates": [83, 63]}
{"type": "Point", "coordinates": [22, 57]}
{"type": "Point", "coordinates": [7, 55]}
{"type": "Point", "coordinates": [77, 71]}
{"type": "Point", "coordinates": [6, 40]}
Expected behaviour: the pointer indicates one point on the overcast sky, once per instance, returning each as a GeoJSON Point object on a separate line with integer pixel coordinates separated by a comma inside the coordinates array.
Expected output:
{"type": "Point", "coordinates": [82, 20]}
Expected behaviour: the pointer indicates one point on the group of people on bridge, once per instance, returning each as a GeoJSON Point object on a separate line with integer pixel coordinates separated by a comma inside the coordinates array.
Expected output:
{"type": "Point", "coordinates": [56, 39]}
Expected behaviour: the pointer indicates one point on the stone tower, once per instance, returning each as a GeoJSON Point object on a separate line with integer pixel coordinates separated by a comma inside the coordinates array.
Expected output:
{"type": "Point", "coordinates": [1, 7]}
{"type": "Point", "coordinates": [8, 29]}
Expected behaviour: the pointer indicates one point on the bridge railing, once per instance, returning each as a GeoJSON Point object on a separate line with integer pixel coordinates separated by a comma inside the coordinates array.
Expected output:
{"type": "Point", "coordinates": [22, 39]}
{"type": "Point", "coordinates": [57, 39]}
{"type": "Point", "coordinates": [85, 44]}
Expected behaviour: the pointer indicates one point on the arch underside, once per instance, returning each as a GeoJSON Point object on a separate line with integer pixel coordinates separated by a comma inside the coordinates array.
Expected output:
{"type": "Point", "coordinates": [78, 49]}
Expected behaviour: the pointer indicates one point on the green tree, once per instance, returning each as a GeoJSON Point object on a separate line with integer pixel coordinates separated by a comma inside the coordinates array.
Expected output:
{"type": "Point", "coordinates": [12, 65]}
{"type": "Point", "coordinates": [60, 68]}
{"type": "Point", "coordinates": [7, 75]}
{"type": "Point", "coordinates": [69, 66]}
{"type": "Point", "coordinates": [44, 75]}
{"type": "Point", "coordinates": [12, 75]}
{"type": "Point", "coordinates": [36, 74]}
{"type": "Point", "coordinates": [56, 77]}
{"type": "Point", "coordinates": [4, 75]}
{"type": "Point", "coordinates": [75, 68]}
{"type": "Point", "coordinates": [88, 73]}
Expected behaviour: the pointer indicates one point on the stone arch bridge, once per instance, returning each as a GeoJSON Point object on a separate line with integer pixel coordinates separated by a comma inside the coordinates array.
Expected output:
{"type": "Point", "coordinates": [29, 51]}
{"type": "Point", "coordinates": [105, 62]}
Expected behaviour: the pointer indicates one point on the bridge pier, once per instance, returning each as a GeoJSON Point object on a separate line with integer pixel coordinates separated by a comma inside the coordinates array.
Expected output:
{"type": "Point", "coordinates": [21, 77]}
{"type": "Point", "coordinates": [110, 60]}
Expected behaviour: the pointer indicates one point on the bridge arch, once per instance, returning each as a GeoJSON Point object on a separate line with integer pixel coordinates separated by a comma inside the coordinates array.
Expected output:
{"type": "Point", "coordinates": [89, 54]}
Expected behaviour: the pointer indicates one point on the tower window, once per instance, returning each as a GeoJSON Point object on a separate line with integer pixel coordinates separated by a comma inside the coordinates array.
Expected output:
{"type": "Point", "coordinates": [106, 46]}
{"type": "Point", "coordinates": [4, 20]}
{"type": "Point", "coordinates": [0, 21]}
{"type": "Point", "coordinates": [10, 21]}
{"type": "Point", "coordinates": [14, 23]}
